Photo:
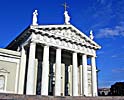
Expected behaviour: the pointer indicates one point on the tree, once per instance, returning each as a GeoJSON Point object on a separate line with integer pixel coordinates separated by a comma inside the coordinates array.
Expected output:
{"type": "Point", "coordinates": [117, 89]}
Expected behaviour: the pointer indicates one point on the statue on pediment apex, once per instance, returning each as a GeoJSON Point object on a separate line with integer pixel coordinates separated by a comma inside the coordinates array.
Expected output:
{"type": "Point", "coordinates": [35, 14]}
{"type": "Point", "coordinates": [67, 18]}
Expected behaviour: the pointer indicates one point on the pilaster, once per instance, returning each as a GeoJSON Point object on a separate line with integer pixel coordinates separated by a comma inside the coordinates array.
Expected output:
{"type": "Point", "coordinates": [22, 71]}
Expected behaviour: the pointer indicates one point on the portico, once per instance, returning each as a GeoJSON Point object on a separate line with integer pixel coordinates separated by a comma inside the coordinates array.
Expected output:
{"type": "Point", "coordinates": [64, 54]}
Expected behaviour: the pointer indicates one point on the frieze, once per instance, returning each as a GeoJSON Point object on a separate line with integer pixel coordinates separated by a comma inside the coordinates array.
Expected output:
{"type": "Point", "coordinates": [63, 44]}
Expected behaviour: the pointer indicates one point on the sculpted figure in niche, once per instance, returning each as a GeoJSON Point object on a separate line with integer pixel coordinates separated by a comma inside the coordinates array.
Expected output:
{"type": "Point", "coordinates": [35, 17]}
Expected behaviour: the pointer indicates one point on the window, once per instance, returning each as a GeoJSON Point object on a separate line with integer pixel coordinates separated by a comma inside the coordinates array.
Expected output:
{"type": "Point", "coordinates": [3, 79]}
{"type": "Point", "coordinates": [2, 82]}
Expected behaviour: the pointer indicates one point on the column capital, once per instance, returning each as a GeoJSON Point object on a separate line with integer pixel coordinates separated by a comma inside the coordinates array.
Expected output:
{"type": "Point", "coordinates": [22, 46]}
{"type": "Point", "coordinates": [84, 54]}
{"type": "Point", "coordinates": [22, 49]}
{"type": "Point", "coordinates": [74, 52]}
{"type": "Point", "coordinates": [90, 55]}
{"type": "Point", "coordinates": [94, 56]}
{"type": "Point", "coordinates": [58, 48]}
{"type": "Point", "coordinates": [33, 42]}
{"type": "Point", "coordinates": [33, 37]}
{"type": "Point", "coordinates": [47, 45]}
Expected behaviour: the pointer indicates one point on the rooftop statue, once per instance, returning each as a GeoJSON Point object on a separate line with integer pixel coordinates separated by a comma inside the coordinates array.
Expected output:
{"type": "Point", "coordinates": [91, 35]}
{"type": "Point", "coordinates": [67, 18]}
{"type": "Point", "coordinates": [35, 14]}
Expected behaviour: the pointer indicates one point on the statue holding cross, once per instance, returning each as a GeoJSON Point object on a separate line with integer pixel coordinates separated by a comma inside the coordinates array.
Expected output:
{"type": "Point", "coordinates": [67, 17]}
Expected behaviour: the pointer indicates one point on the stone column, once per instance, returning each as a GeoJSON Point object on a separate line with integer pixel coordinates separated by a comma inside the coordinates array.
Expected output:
{"type": "Point", "coordinates": [58, 73]}
{"type": "Point", "coordinates": [45, 71]}
{"type": "Point", "coordinates": [70, 79]}
{"type": "Point", "coordinates": [85, 75]}
{"type": "Point", "coordinates": [81, 79]}
{"type": "Point", "coordinates": [22, 71]}
{"type": "Point", "coordinates": [63, 79]}
{"type": "Point", "coordinates": [94, 77]}
{"type": "Point", "coordinates": [75, 75]}
{"type": "Point", "coordinates": [31, 69]}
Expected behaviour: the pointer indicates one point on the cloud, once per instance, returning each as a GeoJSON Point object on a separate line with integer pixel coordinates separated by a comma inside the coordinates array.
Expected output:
{"type": "Point", "coordinates": [111, 32]}
{"type": "Point", "coordinates": [109, 13]}
{"type": "Point", "coordinates": [114, 56]}
{"type": "Point", "coordinates": [119, 56]}
{"type": "Point", "coordinates": [118, 70]}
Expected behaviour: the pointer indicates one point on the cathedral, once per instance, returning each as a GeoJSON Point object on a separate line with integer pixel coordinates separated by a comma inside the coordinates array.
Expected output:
{"type": "Point", "coordinates": [50, 60]}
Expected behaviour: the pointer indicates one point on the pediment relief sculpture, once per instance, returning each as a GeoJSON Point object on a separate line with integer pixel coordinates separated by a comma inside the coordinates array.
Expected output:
{"type": "Point", "coordinates": [69, 33]}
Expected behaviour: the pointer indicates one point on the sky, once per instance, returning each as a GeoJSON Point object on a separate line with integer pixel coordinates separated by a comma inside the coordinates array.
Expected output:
{"type": "Point", "coordinates": [104, 17]}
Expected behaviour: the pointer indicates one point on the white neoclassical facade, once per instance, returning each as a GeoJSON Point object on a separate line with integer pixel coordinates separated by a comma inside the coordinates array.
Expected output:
{"type": "Point", "coordinates": [57, 60]}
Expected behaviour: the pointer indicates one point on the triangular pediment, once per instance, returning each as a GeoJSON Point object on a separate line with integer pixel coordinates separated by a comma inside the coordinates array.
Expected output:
{"type": "Point", "coordinates": [68, 33]}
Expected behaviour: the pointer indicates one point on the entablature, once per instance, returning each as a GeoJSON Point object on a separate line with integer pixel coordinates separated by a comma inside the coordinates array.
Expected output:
{"type": "Point", "coordinates": [67, 45]}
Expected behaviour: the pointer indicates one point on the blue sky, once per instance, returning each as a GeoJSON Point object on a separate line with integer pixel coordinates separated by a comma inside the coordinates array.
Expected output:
{"type": "Point", "coordinates": [104, 17]}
